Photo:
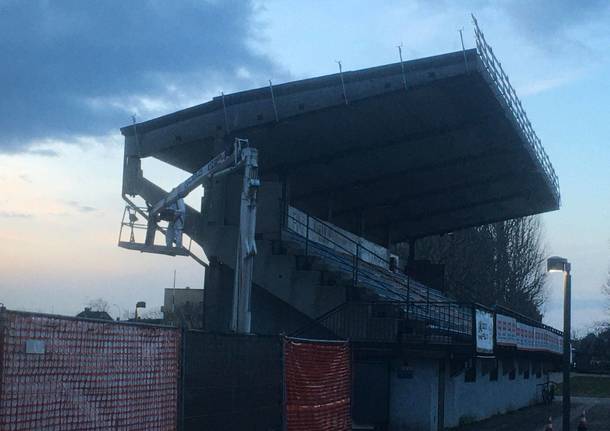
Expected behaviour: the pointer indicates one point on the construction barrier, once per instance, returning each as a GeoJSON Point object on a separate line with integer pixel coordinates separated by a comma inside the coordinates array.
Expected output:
{"type": "Point", "coordinates": [75, 374]}
{"type": "Point", "coordinates": [317, 385]}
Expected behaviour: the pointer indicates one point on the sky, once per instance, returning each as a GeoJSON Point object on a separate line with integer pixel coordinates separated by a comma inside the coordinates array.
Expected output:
{"type": "Point", "coordinates": [74, 72]}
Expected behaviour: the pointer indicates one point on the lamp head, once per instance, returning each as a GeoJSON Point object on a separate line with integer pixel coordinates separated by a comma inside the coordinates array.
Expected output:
{"type": "Point", "coordinates": [557, 264]}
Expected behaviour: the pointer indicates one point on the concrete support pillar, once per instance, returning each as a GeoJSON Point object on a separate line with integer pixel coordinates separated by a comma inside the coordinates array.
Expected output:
{"type": "Point", "coordinates": [217, 297]}
{"type": "Point", "coordinates": [329, 213]}
{"type": "Point", "coordinates": [388, 237]}
{"type": "Point", "coordinates": [361, 225]}
{"type": "Point", "coordinates": [440, 411]}
{"type": "Point", "coordinates": [285, 198]}
{"type": "Point", "coordinates": [411, 257]}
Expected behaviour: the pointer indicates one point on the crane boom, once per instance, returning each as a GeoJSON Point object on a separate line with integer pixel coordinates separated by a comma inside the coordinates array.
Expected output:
{"type": "Point", "coordinates": [222, 163]}
{"type": "Point", "coordinates": [242, 157]}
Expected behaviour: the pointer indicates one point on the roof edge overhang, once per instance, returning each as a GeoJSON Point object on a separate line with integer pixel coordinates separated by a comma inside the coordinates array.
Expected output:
{"type": "Point", "coordinates": [412, 68]}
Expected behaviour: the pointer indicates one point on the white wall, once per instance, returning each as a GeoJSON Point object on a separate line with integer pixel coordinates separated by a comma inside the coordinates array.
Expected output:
{"type": "Point", "coordinates": [414, 401]}
{"type": "Point", "coordinates": [484, 398]}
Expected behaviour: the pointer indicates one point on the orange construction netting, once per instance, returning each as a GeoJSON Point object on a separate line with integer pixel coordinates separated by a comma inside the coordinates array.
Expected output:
{"type": "Point", "coordinates": [69, 374]}
{"type": "Point", "coordinates": [317, 379]}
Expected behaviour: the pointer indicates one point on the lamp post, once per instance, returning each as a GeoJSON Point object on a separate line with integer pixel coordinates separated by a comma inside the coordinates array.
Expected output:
{"type": "Point", "coordinates": [561, 264]}
{"type": "Point", "coordinates": [119, 309]}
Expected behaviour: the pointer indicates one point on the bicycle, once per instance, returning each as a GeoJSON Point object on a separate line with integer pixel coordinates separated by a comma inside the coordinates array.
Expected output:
{"type": "Point", "coordinates": [548, 392]}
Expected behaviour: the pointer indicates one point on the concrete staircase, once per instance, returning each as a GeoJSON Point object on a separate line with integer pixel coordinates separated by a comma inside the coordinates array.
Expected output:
{"type": "Point", "coordinates": [304, 269]}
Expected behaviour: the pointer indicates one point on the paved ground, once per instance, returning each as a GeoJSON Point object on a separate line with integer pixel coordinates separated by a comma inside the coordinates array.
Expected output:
{"type": "Point", "coordinates": [534, 418]}
{"type": "Point", "coordinates": [597, 412]}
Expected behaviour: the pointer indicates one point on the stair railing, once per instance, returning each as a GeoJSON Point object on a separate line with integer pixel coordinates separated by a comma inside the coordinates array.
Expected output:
{"type": "Point", "coordinates": [305, 228]}
{"type": "Point", "coordinates": [398, 321]}
{"type": "Point", "coordinates": [356, 251]}
{"type": "Point", "coordinates": [435, 314]}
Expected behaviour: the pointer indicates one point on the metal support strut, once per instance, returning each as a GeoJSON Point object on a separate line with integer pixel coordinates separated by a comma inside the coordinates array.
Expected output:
{"type": "Point", "coordinates": [229, 161]}
{"type": "Point", "coordinates": [246, 245]}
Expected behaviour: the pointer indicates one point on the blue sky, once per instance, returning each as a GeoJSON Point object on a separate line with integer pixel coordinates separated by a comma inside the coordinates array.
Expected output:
{"type": "Point", "coordinates": [76, 71]}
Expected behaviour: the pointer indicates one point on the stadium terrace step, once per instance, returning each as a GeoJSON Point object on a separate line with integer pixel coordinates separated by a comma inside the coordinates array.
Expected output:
{"type": "Point", "coordinates": [379, 281]}
{"type": "Point", "coordinates": [390, 306]}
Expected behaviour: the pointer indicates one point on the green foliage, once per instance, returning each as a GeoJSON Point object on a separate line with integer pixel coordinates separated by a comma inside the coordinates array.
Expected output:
{"type": "Point", "coordinates": [589, 386]}
{"type": "Point", "coordinates": [595, 344]}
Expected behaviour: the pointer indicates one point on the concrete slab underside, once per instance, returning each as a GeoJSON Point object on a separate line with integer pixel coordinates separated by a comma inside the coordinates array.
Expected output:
{"type": "Point", "coordinates": [441, 155]}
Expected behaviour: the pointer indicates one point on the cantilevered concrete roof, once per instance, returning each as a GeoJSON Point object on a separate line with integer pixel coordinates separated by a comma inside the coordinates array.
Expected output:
{"type": "Point", "coordinates": [451, 149]}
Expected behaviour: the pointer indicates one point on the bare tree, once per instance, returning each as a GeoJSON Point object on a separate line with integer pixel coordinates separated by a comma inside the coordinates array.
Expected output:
{"type": "Point", "coordinates": [500, 263]}
{"type": "Point", "coordinates": [99, 304]}
{"type": "Point", "coordinates": [606, 292]}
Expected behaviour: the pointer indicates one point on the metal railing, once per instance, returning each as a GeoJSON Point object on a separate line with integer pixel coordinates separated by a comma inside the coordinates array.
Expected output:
{"type": "Point", "coordinates": [130, 222]}
{"type": "Point", "coordinates": [410, 314]}
{"type": "Point", "coordinates": [404, 322]}
{"type": "Point", "coordinates": [409, 300]}
{"type": "Point", "coordinates": [314, 229]}
{"type": "Point", "coordinates": [366, 266]}
{"type": "Point", "coordinates": [506, 90]}
{"type": "Point", "coordinates": [351, 249]}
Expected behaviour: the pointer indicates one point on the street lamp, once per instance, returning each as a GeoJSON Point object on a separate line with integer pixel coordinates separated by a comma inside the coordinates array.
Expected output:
{"type": "Point", "coordinates": [119, 309]}
{"type": "Point", "coordinates": [561, 264]}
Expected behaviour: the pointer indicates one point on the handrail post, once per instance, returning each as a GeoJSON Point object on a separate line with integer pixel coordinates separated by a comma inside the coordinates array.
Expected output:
{"type": "Point", "coordinates": [357, 259]}
{"type": "Point", "coordinates": [307, 236]}
{"type": "Point", "coordinates": [428, 302]}
{"type": "Point", "coordinates": [473, 326]}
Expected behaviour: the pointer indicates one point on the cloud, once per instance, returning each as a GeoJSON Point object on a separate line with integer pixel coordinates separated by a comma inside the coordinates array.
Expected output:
{"type": "Point", "coordinates": [539, 86]}
{"type": "Point", "coordinates": [45, 152]}
{"type": "Point", "coordinates": [15, 215]}
{"type": "Point", "coordinates": [550, 22]}
{"type": "Point", "coordinates": [82, 68]}
{"type": "Point", "coordinates": [80, 207]}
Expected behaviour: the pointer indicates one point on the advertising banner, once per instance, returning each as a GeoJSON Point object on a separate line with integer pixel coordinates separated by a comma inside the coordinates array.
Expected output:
{"type": "Point", "coordinates": [484, 331]}
{"type": "Point", "coordinates": [506, 330]}
{"type": "Point", "coordinates": [510, 332]}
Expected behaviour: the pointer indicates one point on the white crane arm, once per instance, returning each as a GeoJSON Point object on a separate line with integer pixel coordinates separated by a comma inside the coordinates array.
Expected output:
{"type": "Point", "coordinates": [221, 164]}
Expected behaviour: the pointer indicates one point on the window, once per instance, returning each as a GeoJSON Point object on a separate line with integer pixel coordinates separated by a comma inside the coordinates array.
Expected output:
{"type": "Point", "coordinates": [456, 367]}
{"type": "Point", "coordinates": [508, 367]}
{"type": "Point", "coordinates": [493, 373]}
{"type": "Point", "coordinates": [524, 368]}
{"type": "Point", "coordinates": [471, 371]}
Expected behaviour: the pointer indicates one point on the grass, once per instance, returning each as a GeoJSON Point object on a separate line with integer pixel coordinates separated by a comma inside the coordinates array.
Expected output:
{"type": "Point", "coordinates": [588, 386]}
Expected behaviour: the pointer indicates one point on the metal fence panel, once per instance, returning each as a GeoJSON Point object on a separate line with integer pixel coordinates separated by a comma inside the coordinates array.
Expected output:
{"type": "Point", "coordinates": [232, 382]}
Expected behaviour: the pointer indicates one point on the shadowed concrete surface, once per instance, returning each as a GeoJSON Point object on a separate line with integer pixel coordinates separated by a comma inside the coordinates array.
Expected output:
{"type": "Point", "coordinates": [534, 418]}
{"type": "Point", "coordinates": [444, 153]}
{"type": "Point", "coordinates": [359, 160]}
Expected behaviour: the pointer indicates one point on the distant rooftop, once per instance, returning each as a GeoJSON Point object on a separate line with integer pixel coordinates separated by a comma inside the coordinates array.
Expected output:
{"type": "Point", "coordinates": [90, 314]}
